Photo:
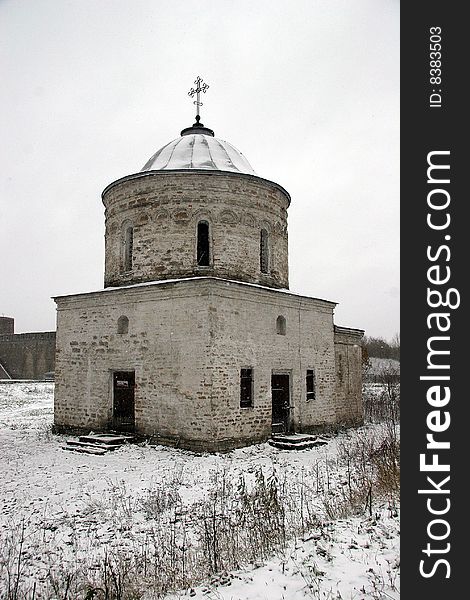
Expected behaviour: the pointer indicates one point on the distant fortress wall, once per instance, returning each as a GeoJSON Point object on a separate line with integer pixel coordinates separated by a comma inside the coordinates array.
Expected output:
{"type": "Point", "coordinates": [7, 325]}
{"type": "Point", "coordinates": [25, 355]}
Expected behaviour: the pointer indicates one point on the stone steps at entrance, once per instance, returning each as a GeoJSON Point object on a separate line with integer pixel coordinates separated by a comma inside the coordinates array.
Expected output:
{"type": "Point", "coordinates": [106, 438]}
{"type": "Point", "coordinates": [296, 441]}
{"type": "Point", "coordinates": [97, 443]}
{"type": "Point", "coordinates": [84, 449]}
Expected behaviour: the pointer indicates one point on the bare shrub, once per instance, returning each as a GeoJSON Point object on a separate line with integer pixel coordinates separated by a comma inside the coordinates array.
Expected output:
{"type": "Point", "coordinates": [382, 398]}
{"type": "Point", "coordinates": [44, 433]}
{"type": "Point", "coordinates": [238, 524]}
{"type": "Point", "coordinates": [386, 461]}
{"type": "Point", "coordinates": [158, 499]}
{"type": "Point", "coordinates": [11, 560]}
{"type": "Point", "coordinates": [117, 578]}
{"type": "Point", "coordinates": [372, 461]}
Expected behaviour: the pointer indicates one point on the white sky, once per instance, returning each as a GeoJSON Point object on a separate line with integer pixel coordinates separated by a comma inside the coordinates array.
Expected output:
{"type": "Point", "coordinates": [308, 90]}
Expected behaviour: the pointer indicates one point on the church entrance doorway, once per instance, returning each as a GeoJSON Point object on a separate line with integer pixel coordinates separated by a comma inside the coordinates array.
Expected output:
{"type": "Point", "coordinates": [123, 400]}
{"type": "Point", "coordinates": [280, 391]}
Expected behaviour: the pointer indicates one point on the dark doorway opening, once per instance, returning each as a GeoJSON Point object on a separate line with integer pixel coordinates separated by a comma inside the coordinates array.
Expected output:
{"type": "Point", "coordinates": [280, 390]}
{"type": "Point", "coordinates": [123, 400]}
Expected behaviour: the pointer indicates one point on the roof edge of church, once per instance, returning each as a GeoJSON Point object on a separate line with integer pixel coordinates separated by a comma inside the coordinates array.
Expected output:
{"type": "Point", "coordinates": [219, 280]}
{"type": "Point", "coordinates": [216, 173]}
{"type": "Point", "coordinates": [349, 330]}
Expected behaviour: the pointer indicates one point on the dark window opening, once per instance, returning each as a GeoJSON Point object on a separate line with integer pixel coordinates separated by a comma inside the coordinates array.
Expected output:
{"type": "Point", "coordinates": [310, 380]}
{"type": "Point", "coordinates": [203, 244]}
{"type": "Point", "coordinates": [128, 248]}
{"type": "Point", "coordinates": [123, 325]}
{"type": "Point", "coordinates": [246, 388]}
{"type": "Point", "coordinates": [281, 325]}
{"type": "Point", "coordinates": [263, 251]}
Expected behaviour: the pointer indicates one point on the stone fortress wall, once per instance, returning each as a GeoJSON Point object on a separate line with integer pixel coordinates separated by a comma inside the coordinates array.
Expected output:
{"type": "Point", "coordinates": [25, 355]}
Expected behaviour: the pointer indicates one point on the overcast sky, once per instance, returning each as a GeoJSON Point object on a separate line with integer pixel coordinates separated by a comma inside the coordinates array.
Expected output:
{"type": "Point", "coordinates": [307, 90]}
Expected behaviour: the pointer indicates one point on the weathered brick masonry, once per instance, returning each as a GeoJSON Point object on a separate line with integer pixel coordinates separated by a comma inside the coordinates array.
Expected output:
{"type": "Point", "coordinates": [164, 209]}
{"type": "Point", "coordinates": [27, 355]}
{"type": "Point", "coordinates": [187, 341]}
{"type": "Point", "coordinates": [348, 358]}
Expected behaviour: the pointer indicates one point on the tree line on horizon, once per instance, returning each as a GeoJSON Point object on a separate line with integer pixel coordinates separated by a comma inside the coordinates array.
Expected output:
{"type": "Point", "coordinates": [378, 347]}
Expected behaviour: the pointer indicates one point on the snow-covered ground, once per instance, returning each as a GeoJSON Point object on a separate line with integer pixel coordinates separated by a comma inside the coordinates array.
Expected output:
{"type": "Point", "coordinates": [62, 510]}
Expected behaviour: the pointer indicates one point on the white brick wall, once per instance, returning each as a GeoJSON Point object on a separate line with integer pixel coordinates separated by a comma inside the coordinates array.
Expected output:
{"type": "Point", "coordinates": [348, 356]}
{"type": "Point", "coordinates": [187, 342]}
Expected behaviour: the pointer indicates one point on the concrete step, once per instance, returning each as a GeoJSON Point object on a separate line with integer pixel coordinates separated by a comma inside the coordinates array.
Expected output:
{"type": "Point", "coordinates": [296, 441]}
{"type": "Point", "coordinates": [105, 438]}
{"type": "Point", "coordinates": [294, 438]}
{"type": "Point", "coordinates": [81, 443]}
{"type": "Point", "coordinates": [98, 443]}
{"type": "Point", "coordinates": [86, 449]}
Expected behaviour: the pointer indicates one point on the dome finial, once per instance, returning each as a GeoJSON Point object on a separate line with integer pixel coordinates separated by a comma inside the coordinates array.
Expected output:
{"type": "Point", "coordinates": [198, 127]}
{"type": "Point", "coordinates": [200, 87]}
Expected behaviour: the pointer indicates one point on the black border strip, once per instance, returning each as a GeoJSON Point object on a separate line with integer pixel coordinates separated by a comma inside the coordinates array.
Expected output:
{"type": "Point", "coordinates": [430, 124]}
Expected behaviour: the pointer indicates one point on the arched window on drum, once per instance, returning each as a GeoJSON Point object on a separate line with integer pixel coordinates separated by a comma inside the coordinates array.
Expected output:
{"type": "Point", "coordinates": [203, 244]}
{"type": "Point", "coordinates": [264, 251]}
{"type": "Point", "coordinates": [127, 259]}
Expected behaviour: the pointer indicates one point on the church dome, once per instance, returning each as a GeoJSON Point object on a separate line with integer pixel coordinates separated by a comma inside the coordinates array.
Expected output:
{"type": "Point", "coordinates": [196, 209]}
{"type": "Point", "coordinates": [197, 148]}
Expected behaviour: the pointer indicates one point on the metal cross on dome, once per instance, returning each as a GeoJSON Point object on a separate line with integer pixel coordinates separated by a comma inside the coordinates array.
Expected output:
{"type": "Point", "coordinates": [200, 87]}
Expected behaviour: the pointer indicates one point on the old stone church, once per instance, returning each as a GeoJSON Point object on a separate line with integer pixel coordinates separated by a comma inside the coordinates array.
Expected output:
{"type": "Point", "coordinates": [195, 339]}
